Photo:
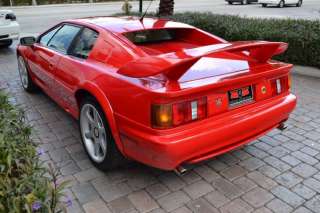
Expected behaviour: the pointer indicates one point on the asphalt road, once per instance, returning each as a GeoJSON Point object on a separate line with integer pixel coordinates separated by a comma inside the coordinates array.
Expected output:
{"type": "Point", "coordinates": [37, 19]}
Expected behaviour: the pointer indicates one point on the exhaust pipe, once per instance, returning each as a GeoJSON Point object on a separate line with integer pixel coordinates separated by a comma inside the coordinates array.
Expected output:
{"type": "Point", "coordinates": [180, 170]}
{"type": "Point", "coordinates": [282, 126]}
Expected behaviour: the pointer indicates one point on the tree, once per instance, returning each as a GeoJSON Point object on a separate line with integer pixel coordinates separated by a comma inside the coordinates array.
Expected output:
{"type": "Point", "coordinates": [166, 7]}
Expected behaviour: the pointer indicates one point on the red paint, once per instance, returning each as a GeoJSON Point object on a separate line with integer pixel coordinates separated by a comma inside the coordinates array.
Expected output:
{"type": "Point", "coordinates": [127, 80]}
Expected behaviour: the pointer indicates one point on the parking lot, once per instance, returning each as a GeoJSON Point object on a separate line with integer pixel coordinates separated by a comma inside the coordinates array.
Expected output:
{"type": "Point", "coordinates": [279, 172]}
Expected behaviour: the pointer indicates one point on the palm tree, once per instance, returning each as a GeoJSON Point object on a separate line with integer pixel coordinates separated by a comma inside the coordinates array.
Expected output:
{"type": "Point", "coordinates": [166, 7]}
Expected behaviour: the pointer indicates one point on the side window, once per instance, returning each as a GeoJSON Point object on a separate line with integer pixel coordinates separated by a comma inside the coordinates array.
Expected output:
{"type": "Point", "coordinates": [84, 43]}
{"type": "Point", "coordinates": [62, 40]}
{"type": "Point", "coordinates": [46, 37]}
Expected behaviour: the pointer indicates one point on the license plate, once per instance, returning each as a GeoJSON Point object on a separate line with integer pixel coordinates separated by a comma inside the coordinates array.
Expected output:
{"type": "Point", "coordinates": [240, 96]}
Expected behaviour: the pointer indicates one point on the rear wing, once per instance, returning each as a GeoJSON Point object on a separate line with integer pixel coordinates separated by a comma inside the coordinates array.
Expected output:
{"type": "Point", "coordinates": [174, 65]}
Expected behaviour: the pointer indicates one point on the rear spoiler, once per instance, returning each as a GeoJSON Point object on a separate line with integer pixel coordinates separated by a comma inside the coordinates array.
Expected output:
{"type": "Point", "coordinates": [174, 65]}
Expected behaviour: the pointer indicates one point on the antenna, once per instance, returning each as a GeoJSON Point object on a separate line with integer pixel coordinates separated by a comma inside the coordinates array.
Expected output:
{"type": "Point", "coordinates": [145, 12]}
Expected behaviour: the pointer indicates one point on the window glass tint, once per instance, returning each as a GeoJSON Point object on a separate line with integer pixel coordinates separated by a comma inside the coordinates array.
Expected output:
{"type": "Point", "coordinates": [46, 37]}
{"type": "Point", "coordinates": [63, 38]}
{"type": "Point", "coordinates": [151, 36]}
{"type": "Point", "coordinates": [84, 43]}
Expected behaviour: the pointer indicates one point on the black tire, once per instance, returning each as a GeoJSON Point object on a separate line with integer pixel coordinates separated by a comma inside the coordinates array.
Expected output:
{"type": "Point", "coordinates": [230, 2]}
{"type": "Point", "coordinates": [6, 43]}
{"type": "Point", "coordinates": [264, 5]}
{"type": "Point", "coordinates": [113, 158]}
{"type": "Point", "coordinates": [30, 86]}
{"type": "Point", "coordinates": [281, 4]}
{"type": "Point", "coordinates": [299, 4]}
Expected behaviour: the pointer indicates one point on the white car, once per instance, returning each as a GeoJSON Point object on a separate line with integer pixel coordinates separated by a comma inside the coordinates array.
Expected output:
{"type": "Point", "coordinates": [9, 28]}
{"type": "Point", "coordinates": [280, 3]}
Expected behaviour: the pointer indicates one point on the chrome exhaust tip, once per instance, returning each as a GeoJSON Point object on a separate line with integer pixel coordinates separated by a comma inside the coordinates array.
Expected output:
{"type": "Point", "coordinates": [282, 126]}
{"type": "Point", "coordinates": [180, 170]}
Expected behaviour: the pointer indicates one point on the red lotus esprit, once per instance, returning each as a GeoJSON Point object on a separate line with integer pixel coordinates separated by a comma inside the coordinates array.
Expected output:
{"type": "Point", "coordinates": [160, 92]}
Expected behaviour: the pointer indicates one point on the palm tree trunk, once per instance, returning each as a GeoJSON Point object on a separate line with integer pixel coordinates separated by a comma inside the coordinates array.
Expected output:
{"type": "Point", "coordinates": [166, 7]}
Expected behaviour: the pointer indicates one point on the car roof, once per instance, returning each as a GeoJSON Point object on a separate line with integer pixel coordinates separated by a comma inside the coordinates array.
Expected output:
{"type": "Point", "coordinates": [130, 23]}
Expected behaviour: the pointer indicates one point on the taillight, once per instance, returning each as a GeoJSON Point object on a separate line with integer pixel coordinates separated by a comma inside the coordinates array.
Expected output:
{"type": "Point", "coordinates": [11, 17]}
{"type": "Point", "coordinates": [171, 115]}
{"type": "Point", "coordinates": [280, 85]}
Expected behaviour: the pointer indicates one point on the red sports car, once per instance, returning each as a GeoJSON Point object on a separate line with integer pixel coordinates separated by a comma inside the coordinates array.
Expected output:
{"type": "Point", "coordinates": [160, 92]}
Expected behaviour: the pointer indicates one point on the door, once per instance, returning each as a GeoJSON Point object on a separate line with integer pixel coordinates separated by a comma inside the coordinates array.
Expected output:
{"type": "Point", "coordinates": [48, 52]}
{"type": "Point", "coordinates": [71, 68]}
{"type": "Point", "coordinates": [42, 60]}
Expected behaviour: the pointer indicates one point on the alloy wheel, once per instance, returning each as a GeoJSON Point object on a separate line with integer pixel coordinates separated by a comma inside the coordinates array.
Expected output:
{"type": "Point", "coordinates": [23, 72]}
{"type": "Point", "coordinates": [281, 4]}
{"type": "Point", "coordinates": [299, 3]}
{"type": "Point", "coordinates": [93, 133]}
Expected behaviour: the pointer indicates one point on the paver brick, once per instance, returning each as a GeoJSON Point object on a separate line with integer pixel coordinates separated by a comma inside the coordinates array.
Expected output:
{"type": "Point", "coordinates": [109, 191]}
{"type": "Point", "coordinates": [314, 204]}
{"type": "Point", "coordinates": [244, 183]}
{"type": "Point", "coordinates": [142, 201]}
{"type": "Point", "coordinates": [305, 158]}
{"type": "Point", "coordinates": [304, 191]}
{"type": "Point", "coordinates": [262, 180]}
{"type": "Point", "coordinates": [304, 170]}
{"type": "Point", "coordinates": [201, 206]}
{"type": "Point", "coordinates": [288, 179]}
{"type": "Point", "coordinates": [279, 206]}
{"type": "Point", "coordinates": [269, 171]}
{"type": "Point", "coordinates": [121, 205]}
{"type": "Point", "coordinates": [85, 192]}
{"type": "Point", "coordinates": [217, 199]}
{"type": "Point", "coordinates": [198, 189]}
{"type": "Point", "coordinates": [277, 163]}
{"type": "Point", "coordinates": [258, 197]}
{"type": "Point", "coordinates": [288, 196]}
{"type": "Point", "coordinates": [252, 163]}
{"type": "Point", "coordinates": [233, 172]}
{"type": "Point", "coordinates": [157, 190]}
{"type": "Point", "coordinates": [236, 206]}
{"type": "Point", "coordinates": [227, 188]}
{"type": "Point", "coordinates": [174, 200]}
{"type": "Point", "coordinates": [96, 206]}
{"type": "Point", "coordinates": [292, 161]}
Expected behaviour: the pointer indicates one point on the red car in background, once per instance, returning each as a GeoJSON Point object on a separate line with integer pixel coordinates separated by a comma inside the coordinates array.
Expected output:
{"type": "Point", "coordinates": [160, 92]}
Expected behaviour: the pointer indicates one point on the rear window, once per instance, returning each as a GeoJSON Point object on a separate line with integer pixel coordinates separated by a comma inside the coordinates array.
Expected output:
{"type": "Point", "coordinates": [151, 36]}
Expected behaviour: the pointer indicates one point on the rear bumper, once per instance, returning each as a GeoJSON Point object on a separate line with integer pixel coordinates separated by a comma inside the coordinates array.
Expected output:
{"type": "Point", "coordinates": [213, 136]}
{"type": "Point", "coordinates": [10, 31]}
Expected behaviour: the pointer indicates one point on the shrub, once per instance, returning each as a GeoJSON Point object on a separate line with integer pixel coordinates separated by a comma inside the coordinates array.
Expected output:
{"type": "Point", "coordinates": [25, 185]}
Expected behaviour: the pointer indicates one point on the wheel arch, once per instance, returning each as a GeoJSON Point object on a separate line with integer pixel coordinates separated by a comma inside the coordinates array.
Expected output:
{"type": "Point", "coordinates": [89, 89]}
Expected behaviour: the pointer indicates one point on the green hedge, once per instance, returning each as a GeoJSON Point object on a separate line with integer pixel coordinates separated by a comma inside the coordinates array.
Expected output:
{"type": "Point", "coordinates": [303, 36]}
{"type": "Point", "coordinates": [25, 185]}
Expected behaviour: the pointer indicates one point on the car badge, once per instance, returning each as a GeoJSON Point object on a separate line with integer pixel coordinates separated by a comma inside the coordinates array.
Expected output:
{"type": "Point", "coordinates": [263, 90]}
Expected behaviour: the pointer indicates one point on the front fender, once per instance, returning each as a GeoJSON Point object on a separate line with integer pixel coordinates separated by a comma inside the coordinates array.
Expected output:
{"type": "Point", "coordinates": [108, 111]}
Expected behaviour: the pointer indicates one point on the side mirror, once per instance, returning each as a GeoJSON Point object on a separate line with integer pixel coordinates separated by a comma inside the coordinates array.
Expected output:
{"type": "Point", "coordinates": [27, 41]}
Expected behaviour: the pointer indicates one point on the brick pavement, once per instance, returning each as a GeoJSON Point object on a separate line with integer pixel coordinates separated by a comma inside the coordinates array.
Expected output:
{"type": "Point", "coordinates": [279, 172]}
